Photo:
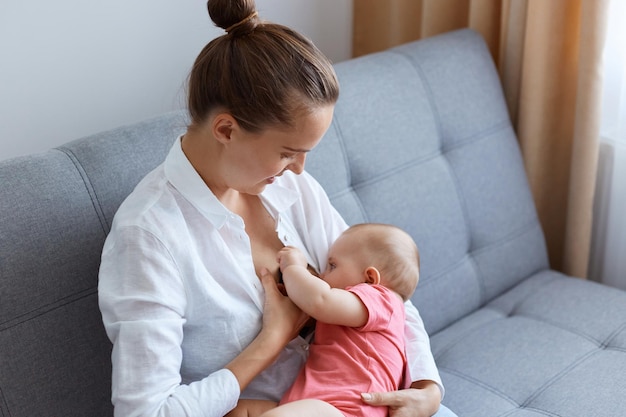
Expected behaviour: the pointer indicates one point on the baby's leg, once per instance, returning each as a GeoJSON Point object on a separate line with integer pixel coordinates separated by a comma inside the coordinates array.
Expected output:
{"type": "Point", "coordinates": [251, 408]}
{"type": "Point", "coordinates": [304, 408]}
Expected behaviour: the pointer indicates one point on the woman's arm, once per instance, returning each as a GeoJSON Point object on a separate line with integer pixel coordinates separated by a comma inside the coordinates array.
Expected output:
{"type": "Point", "coordinates": [282, 320]}
{"type": "Point", "coordinates": [421, 400]}
{"type": "Point", "coordinates": [144, 302]}
{"type": "Point", "coordinates": [315, 297]}
{"type": "Point", "coordinates": [426, 392]}
{"type": "Point", "coordinates": [420, 357]}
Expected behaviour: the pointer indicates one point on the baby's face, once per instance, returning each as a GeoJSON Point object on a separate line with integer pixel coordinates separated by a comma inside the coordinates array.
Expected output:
{"type": "Point", "coordinates": [345, 264]}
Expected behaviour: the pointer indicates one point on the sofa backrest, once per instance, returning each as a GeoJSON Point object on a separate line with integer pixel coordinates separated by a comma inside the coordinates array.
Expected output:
{"type": "Point", "coordinates": [52, 346]}
{"type": "Point", "coordinates": [420, 138]}
{"type": "Point", "coordinates": [56, 209]}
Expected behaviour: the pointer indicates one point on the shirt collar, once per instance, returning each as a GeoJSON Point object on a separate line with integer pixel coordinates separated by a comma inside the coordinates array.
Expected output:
{"type": "Point", "coordinates": [183, 176]}
{"type": "Point", "coordinates": [277, 197]}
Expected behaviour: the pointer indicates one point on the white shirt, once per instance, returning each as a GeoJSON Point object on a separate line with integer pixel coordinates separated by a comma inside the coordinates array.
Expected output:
{"type": "Point", "coordinates": [180, 298]}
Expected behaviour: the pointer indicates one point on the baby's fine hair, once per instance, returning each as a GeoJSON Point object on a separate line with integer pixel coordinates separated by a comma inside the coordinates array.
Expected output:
{"type": "Point", "coordinates": [263, 74]}
{"type": "Point", "coordinates": [393, 252]}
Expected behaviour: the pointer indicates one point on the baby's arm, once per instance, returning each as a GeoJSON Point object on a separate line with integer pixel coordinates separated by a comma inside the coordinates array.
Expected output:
{"type": "Point", "coordinates": [315, 297]}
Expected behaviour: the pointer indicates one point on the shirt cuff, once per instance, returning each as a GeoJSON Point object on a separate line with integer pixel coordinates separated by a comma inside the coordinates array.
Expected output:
{"type": "Point", "coordinates": [231, 385]}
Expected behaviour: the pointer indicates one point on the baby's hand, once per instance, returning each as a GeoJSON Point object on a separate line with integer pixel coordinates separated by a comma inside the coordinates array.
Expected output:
{"type": "Point", "coordinates": [289, 255]}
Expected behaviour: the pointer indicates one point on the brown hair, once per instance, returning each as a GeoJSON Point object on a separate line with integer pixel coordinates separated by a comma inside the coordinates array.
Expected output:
{"type": "Point", "coordinates": [393, 252]}
{"type": "Point", "coordinates": [262, 73]}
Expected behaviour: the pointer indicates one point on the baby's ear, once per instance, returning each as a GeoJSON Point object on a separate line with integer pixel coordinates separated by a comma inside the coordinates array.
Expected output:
{"type": "Point", "coordinates": [372, 276]}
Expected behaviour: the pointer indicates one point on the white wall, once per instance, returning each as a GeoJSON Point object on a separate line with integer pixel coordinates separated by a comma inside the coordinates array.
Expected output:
{"type": "Point", "coordinates": [69, 68]}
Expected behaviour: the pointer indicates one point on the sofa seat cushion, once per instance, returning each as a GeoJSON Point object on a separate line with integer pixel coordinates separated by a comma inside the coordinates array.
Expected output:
{"type": "Point", "coordinates": [539, 349]}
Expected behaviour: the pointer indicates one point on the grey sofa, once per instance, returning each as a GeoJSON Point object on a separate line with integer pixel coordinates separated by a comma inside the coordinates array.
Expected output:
{"type": "Point", "coordinates": [422, 139]}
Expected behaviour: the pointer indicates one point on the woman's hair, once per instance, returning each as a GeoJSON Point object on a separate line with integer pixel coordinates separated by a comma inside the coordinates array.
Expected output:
{"type": "Point", "coordinates": [263, 74]}
{"type": "Point", "coordinates": [393, 252]}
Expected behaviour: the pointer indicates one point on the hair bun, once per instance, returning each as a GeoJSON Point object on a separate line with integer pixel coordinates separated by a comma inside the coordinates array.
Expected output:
{"type": "Point", "coordinates": [236, 17]}
{"type": "Point", "coordinates": [246, 25]}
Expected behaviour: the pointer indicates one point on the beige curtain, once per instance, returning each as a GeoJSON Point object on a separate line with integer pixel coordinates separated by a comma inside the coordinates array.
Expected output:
{"type": "Point", "coordinates": [548, 53]}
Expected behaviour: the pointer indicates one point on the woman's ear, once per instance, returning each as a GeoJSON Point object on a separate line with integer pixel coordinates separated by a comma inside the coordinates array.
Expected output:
{"type": "Point", "coordinates": [372, 276]}
{"type": "Point", "coordinates": [223, 126]}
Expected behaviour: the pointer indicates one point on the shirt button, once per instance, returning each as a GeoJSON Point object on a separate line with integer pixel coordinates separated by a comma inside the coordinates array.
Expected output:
{"type": "Point", "coordinates": [305, 347]}
{"type": "Point", "coordinates": [285, 238]}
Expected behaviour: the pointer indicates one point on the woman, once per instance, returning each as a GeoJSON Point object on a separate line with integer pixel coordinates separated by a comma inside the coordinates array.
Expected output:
{"type": "Point", "coordinates": [188, 288]}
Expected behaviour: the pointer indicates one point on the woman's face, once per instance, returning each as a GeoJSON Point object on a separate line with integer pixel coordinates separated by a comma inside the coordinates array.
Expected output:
{"type": "Point", "coordinates": [256, 159]}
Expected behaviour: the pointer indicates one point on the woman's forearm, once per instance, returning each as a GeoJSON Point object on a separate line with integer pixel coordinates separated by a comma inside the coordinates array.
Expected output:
{"type": "Point", "coordinates": [257, 356]}
{"type": "Point", "coordinates": [282, 320]}
{"type": "Point", "coordinates": [430, 394]}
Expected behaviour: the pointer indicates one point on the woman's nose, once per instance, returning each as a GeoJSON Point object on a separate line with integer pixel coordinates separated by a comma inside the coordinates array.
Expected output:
{"type": "Point", "coordinates": [297, 166]}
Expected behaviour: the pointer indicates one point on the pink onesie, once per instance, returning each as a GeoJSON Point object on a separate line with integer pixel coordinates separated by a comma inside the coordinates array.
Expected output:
{"type": "Point", "coordinates": [346, 361]}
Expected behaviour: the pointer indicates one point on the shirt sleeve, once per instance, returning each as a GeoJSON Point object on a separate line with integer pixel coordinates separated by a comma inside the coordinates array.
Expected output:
{"type": "Point", "coordinates": [142, 299]}
{"type": "Point", "coordinates": [419, 355]}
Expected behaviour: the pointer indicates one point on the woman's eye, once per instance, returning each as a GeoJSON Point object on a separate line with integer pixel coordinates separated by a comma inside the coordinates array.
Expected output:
{"type": "Point", "coordinates": [287, 155]}
{"type": "Point", "coordinates": [331, 267]}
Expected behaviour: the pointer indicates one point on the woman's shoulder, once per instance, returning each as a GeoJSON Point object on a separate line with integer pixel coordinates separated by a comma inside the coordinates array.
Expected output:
{"type": "Point", "coordinates": [150, 195]}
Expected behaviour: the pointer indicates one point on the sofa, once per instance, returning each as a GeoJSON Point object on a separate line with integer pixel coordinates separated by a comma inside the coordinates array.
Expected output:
{"type": "Point", "coordinates": [421, 138]}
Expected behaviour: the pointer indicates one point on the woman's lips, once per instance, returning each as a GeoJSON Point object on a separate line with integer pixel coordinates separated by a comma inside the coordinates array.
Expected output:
{"type": "Point", "coordinates": [272, 179]}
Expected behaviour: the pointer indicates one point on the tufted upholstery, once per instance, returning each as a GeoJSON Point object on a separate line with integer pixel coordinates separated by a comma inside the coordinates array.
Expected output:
{"type": "Point", "coordinates": [56, 209]}
{"type": "Point", "coordinates": [421, 138]}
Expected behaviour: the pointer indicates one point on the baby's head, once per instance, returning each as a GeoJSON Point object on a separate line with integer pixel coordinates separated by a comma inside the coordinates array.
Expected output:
{"type": "Point", "coordinates": [368, 250]}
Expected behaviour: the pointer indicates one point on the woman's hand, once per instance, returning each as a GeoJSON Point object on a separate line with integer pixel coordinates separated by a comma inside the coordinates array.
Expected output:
{"type": "Point", "coordinates": [281, 317]}
{"type": "Point", "coordinates": [421, 400]}
{"type": "Point", "coordinates": [282, 320]}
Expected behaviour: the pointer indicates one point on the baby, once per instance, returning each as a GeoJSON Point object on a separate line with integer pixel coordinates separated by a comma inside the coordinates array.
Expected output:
{"type": "Point", "coordinates": [359, 336]}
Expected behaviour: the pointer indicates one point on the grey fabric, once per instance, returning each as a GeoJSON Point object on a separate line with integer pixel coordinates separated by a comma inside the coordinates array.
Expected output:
{"type": "Point", "coordinates": [552, 344]}
{"type": "Point", "coordinates": [444, 412]}
{"type": "Point", "coordinates": [421, 139]}
{"type": "Point", "coordinates": [56, 209]}
{"type": "Point", "coordinates": [113, 162]}
{"type": "Point", "coordinates": [53, 350]}
{"type": "Point", "coordinates": [56, 363]}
